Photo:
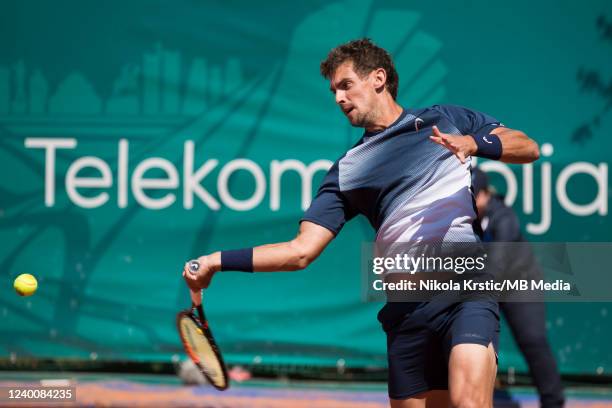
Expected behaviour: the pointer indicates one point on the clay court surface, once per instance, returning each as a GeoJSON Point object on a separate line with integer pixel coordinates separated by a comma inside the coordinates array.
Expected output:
{"type": "Point", "coordinates": [107, 390]}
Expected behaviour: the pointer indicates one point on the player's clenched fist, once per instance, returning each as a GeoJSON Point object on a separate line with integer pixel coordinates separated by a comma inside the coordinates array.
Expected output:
{"type": "Point", "coordinates": [198, 275]}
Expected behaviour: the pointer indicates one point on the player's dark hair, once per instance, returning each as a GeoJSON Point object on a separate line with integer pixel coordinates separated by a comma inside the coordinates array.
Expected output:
{"type": "Point", "coordinates": [366, 57]}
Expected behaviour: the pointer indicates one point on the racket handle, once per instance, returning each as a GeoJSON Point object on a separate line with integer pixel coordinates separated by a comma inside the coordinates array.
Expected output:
{"type": "Point", "coordinates": [196, 297]}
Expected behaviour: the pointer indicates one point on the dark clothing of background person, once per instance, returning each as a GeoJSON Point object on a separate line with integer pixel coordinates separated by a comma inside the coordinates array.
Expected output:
{"type": "Point", "coordinates": [526, 319]}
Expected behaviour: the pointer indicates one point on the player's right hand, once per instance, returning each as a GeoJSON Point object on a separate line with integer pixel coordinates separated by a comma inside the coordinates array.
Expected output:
{"type": "Point", "coordinates": [202, 277]}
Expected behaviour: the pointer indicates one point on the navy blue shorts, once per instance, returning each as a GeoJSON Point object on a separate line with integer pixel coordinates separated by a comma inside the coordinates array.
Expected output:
{"type": "Point", "coordinates": [420, 337]}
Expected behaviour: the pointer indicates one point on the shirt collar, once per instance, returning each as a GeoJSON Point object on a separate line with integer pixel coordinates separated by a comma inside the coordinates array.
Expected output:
{"type": "Point", "coordinates": [367, 135]}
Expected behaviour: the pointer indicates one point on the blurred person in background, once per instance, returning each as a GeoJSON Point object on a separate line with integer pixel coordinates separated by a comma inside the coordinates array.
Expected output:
{"type": "Point", "coordinates": [527, 320]}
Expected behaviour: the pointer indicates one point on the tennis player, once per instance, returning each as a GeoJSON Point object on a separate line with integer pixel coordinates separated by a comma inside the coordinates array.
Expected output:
{"type": "Point", "coordinates": [409, 174]}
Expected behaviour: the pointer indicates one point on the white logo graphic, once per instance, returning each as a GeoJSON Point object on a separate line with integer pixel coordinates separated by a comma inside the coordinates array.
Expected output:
{"type": "Point", "coordinates": [486, 140]}
{"type": "Point", "coordinates": [417, 122]}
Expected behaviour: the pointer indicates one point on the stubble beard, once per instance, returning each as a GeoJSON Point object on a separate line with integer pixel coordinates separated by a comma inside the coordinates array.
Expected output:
{"type": "Point", "coordinates": [364, 120]}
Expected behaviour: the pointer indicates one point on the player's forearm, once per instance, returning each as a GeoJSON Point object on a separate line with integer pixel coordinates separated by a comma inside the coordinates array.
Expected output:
{"type": "Point", "coordinates": [517, 147]}
{"type": "Point", "coordinates": [283, 256]}
{"type": "Point", "coordinates": [503, 144]}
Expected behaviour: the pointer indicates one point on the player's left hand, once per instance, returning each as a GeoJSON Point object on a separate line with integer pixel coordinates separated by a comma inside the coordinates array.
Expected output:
{"type": "Point", "coordinates": [461, 146]}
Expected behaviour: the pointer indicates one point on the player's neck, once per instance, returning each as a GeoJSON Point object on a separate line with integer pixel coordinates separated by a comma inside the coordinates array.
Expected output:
{"type": "Point", "coordinates": [388, 113]}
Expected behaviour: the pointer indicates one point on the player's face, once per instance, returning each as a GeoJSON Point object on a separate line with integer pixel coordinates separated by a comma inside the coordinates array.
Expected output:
{"type": "Point", "coordinates": [356, 96]}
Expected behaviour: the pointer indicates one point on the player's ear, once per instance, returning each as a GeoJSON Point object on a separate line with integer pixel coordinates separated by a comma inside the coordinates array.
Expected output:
{"type": "Point", "coordinates": [379, 77]}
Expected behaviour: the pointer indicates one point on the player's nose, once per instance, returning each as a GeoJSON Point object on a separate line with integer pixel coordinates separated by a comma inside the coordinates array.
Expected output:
{"type": "Point", "coordinates": [340, 97]}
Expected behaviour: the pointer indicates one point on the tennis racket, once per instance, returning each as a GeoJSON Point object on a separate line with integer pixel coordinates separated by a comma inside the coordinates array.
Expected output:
{"type": "Point", "coordinates": [198, 340]}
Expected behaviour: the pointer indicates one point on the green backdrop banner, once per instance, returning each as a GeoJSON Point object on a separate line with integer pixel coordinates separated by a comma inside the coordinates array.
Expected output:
{"type": "Point", "coordinates": [134, 136]}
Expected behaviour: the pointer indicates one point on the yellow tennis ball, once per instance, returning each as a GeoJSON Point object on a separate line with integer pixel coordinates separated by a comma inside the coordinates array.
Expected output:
{"type": "Point", "coordinates": [25, 284]}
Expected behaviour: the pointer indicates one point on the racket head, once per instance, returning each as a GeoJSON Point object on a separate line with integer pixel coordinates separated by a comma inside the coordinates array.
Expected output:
{"type": "Point", "coordinates": [200, 346]}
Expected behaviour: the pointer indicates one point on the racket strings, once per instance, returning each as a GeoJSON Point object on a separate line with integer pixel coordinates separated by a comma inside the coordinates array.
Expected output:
{"type": "Point", "coordinates": [202, 351]}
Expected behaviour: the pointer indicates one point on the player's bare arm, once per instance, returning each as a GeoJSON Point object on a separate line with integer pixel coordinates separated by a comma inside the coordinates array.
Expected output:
{"type": "Point", "coordinates": [284, 256]}
{"type": "Point", "coordinates": [516, 146]}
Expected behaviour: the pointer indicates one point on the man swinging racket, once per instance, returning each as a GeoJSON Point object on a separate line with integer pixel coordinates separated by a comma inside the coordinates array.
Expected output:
{"type": "Point", "coordinates": [409, 174]}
